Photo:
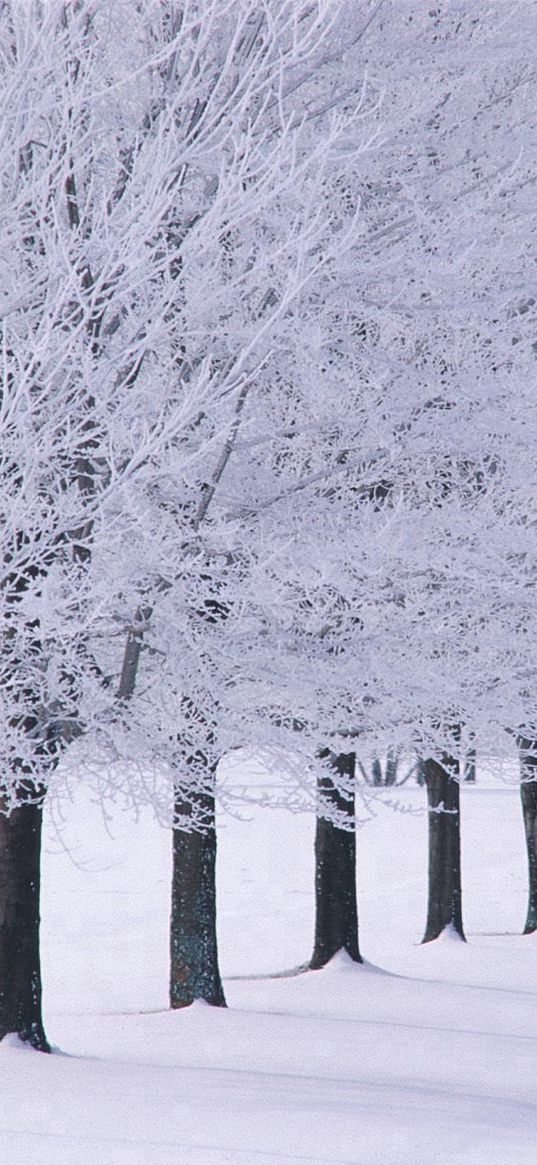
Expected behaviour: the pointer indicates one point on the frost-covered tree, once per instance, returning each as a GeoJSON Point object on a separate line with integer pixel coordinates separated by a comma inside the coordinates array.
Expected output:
{"type": "Point", "coordinates": [363, 570]}
{"type": "Point", "coordinates": [405, 591]}
{"type": "Point", "coordinates": [276, 137]}
{"type": "Point", "coordinates": [77, 254]}
{"type": "Point", "coordinates": [169, 216]}
{"type": "Point", "coordinates": [267, 355]}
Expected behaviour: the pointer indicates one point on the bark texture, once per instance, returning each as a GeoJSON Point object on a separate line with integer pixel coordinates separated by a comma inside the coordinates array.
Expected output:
{"type": "Point", "coordinates": [528, 794]}
{"type": "Point", "coordinates": [336, 915]}
{"type": "Point", "coordinates": [194, 972]}
{"type": "Point", "coordinates": [445, 894]}
{"type": "Point", "coordinates": [20, 969]}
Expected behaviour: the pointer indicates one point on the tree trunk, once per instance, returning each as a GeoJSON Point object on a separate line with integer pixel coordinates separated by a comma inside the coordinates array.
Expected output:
{"type": "Point", "coordinates": [20, 970]}
{"type": "Point", "coordinates": [392, 764]}
{"type": "Point", "coordinates": [194, 972]}
{"type": "Point", "coordinates": [376, 771]}
{"type": "Point", "coordinates": [336, 916]}
{"type": "Point", "coordinates": [528, 794]}
{"type": "Point", "coordinates": [445, 898]}
{"type": "Point", "coordinates": [470, 761]}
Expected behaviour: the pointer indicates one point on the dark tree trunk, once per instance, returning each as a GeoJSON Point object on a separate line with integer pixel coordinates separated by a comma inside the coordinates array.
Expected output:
{"type": "Point", "coordinates": [194, 972]}
{"type": "Point", "coordinates": [528, 794]}
{"type": "Point", "coordinates": [376, 771]}
{"type": "Point", "coordinates": [20, 970]}
{"type": "Point", "coordinates": [445, 898]}
{"type": "Point", "coordinates": [470, 765]}
{"type": "Point", "coordinates": [336, 915]}
{"type": "Point", "coordinates": [392, 764]}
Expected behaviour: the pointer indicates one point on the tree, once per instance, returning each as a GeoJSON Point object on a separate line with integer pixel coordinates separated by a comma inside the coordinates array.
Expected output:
{"type": "Point", "coordinates": [152, 151]}
{"type": "Point", "coordinates": [336, 917]}
{"type": "Point", "coordinates": [380, 548]}
{"type": "Point", "coordinates": [444, 911]}
{"type": "Point", "coordinates": [257, 94]}
{"type": "Point", "coordinates": [529, 812]}
{"type": "Point", "coordinates": [44, 443]}
{"type": "Point", "coordinates": [256, 375]}
{"type": "Point", "coordinates": [405, 584]}
{"type": "Point", "coordinates": [100, 396]}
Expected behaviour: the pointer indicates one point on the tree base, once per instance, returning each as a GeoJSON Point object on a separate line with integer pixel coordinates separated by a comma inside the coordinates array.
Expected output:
{"type": "Point", "coordinates": [37, 1040]}
{"type": "Point", "coordinates": [319, 962]}
{"type": "Point", "coordinates": [448, 932]}
{"type": "Point", "coordinates": [179, 1005]}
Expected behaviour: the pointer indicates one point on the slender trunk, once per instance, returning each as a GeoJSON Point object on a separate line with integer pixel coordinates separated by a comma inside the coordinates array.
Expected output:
{"type": "Point", "coordinates": [528, 794]}
{"type": "Point", "coordinates": [336, 915]}
{"type": "Point", "coordinates": [376, 771]}
{"type": "Point", "coordinates": [392, 764]}
{"type": "Point", "coordinates": [194, 972]}
{"type": "Point", "coordinates": [470, 765]}
{"type": "Point", "coordinates": [445, 898]}
{"type": "Point", "coordinates": [20, 970]}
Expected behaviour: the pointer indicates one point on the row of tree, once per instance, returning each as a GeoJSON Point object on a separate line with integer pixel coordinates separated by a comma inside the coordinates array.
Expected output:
{"type": "Point", "coordinates": [267, 361]}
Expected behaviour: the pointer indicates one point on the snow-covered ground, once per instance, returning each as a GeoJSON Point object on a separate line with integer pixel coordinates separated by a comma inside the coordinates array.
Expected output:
{"type": "Point", "coordinates": [426, 1055]}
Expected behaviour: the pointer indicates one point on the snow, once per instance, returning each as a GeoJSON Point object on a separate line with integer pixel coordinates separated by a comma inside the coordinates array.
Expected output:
{"type": "Point", "coordinates": [427, 1054]}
